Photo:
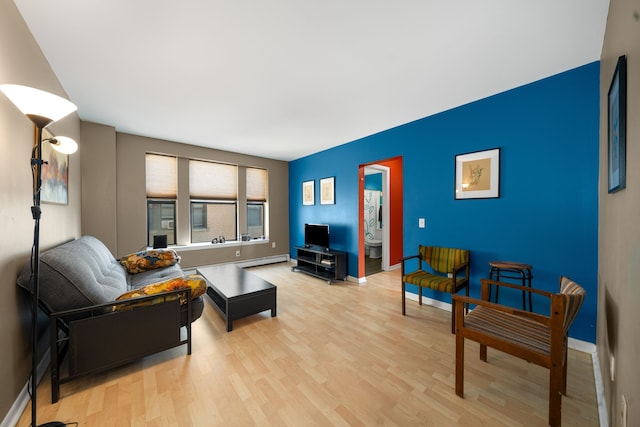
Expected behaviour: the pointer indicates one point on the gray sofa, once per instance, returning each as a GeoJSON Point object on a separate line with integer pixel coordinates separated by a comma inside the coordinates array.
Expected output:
{"type": "Point", "coordinates": [83, 272]}
{"type": "Point", "coordinates": [79, 283]}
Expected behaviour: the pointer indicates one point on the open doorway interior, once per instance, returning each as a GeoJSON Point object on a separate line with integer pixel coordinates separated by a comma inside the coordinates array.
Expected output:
{"type": "Point", "coordinates": [390, 213]}
{"type": "Point", "coordinates": [375, 212]}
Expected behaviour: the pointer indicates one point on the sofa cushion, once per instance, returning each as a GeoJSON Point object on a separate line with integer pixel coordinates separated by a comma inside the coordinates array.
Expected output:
{"type": "Point", "coordinates": [135, 281]}
{"type": "Point", "coordinates": [83, 272]}
{"type": "Point", "coordinates": [77, 274]}
{"type": "Point", "coordinates": [149, 260]}
{"type": "Point", "coordinates": [194, 281]}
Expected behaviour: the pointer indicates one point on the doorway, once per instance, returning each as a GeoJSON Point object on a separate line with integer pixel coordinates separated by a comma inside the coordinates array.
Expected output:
{"type": "Point", "coordinates": [375, 211]}
{"type": "Point", "coordinates": [380, 216]}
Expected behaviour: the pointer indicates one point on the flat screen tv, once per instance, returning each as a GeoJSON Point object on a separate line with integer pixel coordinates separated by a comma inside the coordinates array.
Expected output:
{"type": "Point", "coordinates": [316, 235]}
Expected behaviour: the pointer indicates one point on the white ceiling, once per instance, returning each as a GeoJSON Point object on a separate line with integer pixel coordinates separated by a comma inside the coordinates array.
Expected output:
{"type": "Point", "coordinates": [286, 78]}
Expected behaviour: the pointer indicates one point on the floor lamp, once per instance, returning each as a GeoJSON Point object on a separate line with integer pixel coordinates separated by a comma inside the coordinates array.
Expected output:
{"type": "Point", "coordinates": [42, 108]}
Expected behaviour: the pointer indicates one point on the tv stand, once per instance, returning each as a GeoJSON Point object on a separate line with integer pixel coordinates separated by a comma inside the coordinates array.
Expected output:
{"type": "Point", "coordinates": [322, 263]}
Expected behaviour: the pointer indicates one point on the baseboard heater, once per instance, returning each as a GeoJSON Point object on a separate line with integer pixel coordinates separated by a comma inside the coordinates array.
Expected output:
{"type": "Point", "coordinates": [263, 261]}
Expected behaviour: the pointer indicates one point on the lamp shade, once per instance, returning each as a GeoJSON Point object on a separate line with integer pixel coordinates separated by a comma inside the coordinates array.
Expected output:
{"type": "Point", "coordinates": [63, 144]}
{"type": "Point", "coordinates": [43, 108]}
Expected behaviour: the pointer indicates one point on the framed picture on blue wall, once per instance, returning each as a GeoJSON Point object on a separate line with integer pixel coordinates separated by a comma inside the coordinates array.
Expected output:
{"type": "Point", "coordinates": [327, 191]}
{"type": "Point", "coordinates": [478, 175]}
{"type": "Point", "coordinates": [308, 193]}
{"type": "Point", "coordinates": [617, 132]}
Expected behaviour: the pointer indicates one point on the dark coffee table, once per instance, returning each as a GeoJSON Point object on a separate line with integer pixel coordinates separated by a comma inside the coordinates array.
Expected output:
{"type": "Point", "coordinates": [238, 293]}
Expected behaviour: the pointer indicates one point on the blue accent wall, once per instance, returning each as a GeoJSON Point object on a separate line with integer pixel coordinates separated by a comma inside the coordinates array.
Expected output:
{"type": "Point", "coordinates": [547, 213]}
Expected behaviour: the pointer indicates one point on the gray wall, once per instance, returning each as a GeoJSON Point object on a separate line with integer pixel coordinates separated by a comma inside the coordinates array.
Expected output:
{"type": "Point", "coordinates": [22, 62]}
{"type": "Point", "coordinates": [99, 182]}
{"type": "Point", "coordinates": [619, 231]}
{"type": "Point", "coordinates": [115, 209]}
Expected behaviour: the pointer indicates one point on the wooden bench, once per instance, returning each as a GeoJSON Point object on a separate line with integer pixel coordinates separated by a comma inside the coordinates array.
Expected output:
{"type": "Point", "coordinates": [530, 336]}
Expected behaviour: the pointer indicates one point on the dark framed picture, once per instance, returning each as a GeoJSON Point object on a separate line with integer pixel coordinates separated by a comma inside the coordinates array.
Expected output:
{"type": "Point", "coordinates": [308, 193]}
{"type": "Point", "coordinates": [327, 191]}
{"type": "Point", "coordinates": [617, 129]}
{"type": "Point", "coordinates": [478, 175]}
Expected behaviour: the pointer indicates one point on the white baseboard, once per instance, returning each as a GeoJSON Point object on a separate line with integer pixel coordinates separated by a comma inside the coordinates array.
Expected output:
{"type": "Point", "coordinates": [254, 262]}
{"type": "Point", "coordinates": [602, 403]}
{"type": "Point", "coordinates": [16, 410]}
{"type": "Point", "coordinates": [395, 267]}
{"type": "Point", "coordinates": [263, 261]}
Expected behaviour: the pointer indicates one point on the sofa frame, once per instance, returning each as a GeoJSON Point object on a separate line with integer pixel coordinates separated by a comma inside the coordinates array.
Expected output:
{"type": "Point", "coordinates": [107, 335]}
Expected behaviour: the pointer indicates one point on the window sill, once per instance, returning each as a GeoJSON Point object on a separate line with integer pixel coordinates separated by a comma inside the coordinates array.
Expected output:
{"type": "Point", "coordinates": [208, 245]}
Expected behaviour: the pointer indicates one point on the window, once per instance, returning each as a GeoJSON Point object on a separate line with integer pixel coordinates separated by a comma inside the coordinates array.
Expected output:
{"type": "Point", "coordinates": [161, 183]}
{"type": "Point", "coordinates": [198, 216]}
{"type": "Point", "coordinates": [255, 219]}
{"type": "Point", "coordinates": [256, 199]}
{"type": "Point", "coordinates": [220, 219]}
{"type": "Point", "coordinates": [215, 210]}
{"type": "Point", "coordinates": [213, 191]}
{"type": "Point", "coordinates": [161, 220]}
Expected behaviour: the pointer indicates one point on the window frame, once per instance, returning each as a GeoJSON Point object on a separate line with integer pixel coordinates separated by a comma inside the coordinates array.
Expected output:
{"type": "Point", "coordinates": [214, 202]}
{"type": "Point", "coordinates": [155, 201]}
{"type": "Point", "coordinates": [262, 218]}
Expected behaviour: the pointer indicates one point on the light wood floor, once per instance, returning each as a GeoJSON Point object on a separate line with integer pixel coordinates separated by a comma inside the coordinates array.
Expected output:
{"type": "Point", "coordinates": [334, 356]}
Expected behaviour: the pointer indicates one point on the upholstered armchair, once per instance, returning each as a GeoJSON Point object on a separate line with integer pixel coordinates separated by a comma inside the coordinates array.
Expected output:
{"type": "Point", "coordinates": [438, 268]}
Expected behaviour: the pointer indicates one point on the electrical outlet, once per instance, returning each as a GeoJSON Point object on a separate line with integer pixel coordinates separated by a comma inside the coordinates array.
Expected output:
{"type": "Point", "coordinates": [623, 415]}
{"type": "Point", "coordinates": [273, 245]}
{"type": "Point", "coordinates": [237, 253]}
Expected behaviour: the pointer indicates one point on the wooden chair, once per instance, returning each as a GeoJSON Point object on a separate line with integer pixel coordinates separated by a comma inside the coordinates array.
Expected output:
{"type": "Point", "coordinates": [448, 271]}
{"type": "Point", "coordinates": [530, 336]}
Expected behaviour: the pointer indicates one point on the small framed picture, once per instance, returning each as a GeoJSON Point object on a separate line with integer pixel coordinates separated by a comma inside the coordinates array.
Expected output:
{"type": "Point", "coordinates": [308, 193]}
{"type": "Point", "coordinates": [55, 173]}
{"type": "Point", "coordinates": [617, 132]}
{"type": "Point", "coordinates": [478, 175]}
{"type": "Point", "coordinates": [327, 191]}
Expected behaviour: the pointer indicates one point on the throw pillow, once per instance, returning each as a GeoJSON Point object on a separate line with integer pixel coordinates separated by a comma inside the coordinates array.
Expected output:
{"type": "Point", "coordinates": [149, 260]}
{"type": "Point", "coordinates": [194, 281]}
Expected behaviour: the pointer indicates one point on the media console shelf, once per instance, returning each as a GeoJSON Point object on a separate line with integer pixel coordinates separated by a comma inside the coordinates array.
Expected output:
{"type": "Point", "coordinates": [326, 264]}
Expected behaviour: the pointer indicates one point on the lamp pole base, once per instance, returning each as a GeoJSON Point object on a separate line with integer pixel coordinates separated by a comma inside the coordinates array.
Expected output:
{"type": "Point", "coordinates": [53, 424]}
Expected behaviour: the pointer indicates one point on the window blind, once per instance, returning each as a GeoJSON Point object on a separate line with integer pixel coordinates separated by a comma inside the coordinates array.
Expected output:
{"type": "Point", "coordinates": [161, 176]}
{"type": "Point", "coordinates": [256, 185]}
{"type": "Point", "coordinates": [209, 180]}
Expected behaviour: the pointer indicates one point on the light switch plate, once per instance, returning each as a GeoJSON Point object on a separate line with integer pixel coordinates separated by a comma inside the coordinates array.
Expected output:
{"type": "Point", "coordinates": [422, 223]}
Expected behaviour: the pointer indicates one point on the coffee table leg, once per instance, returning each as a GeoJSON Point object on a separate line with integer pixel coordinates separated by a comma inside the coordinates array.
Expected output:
{"type": "Point", "coordinates": [273, 307]}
